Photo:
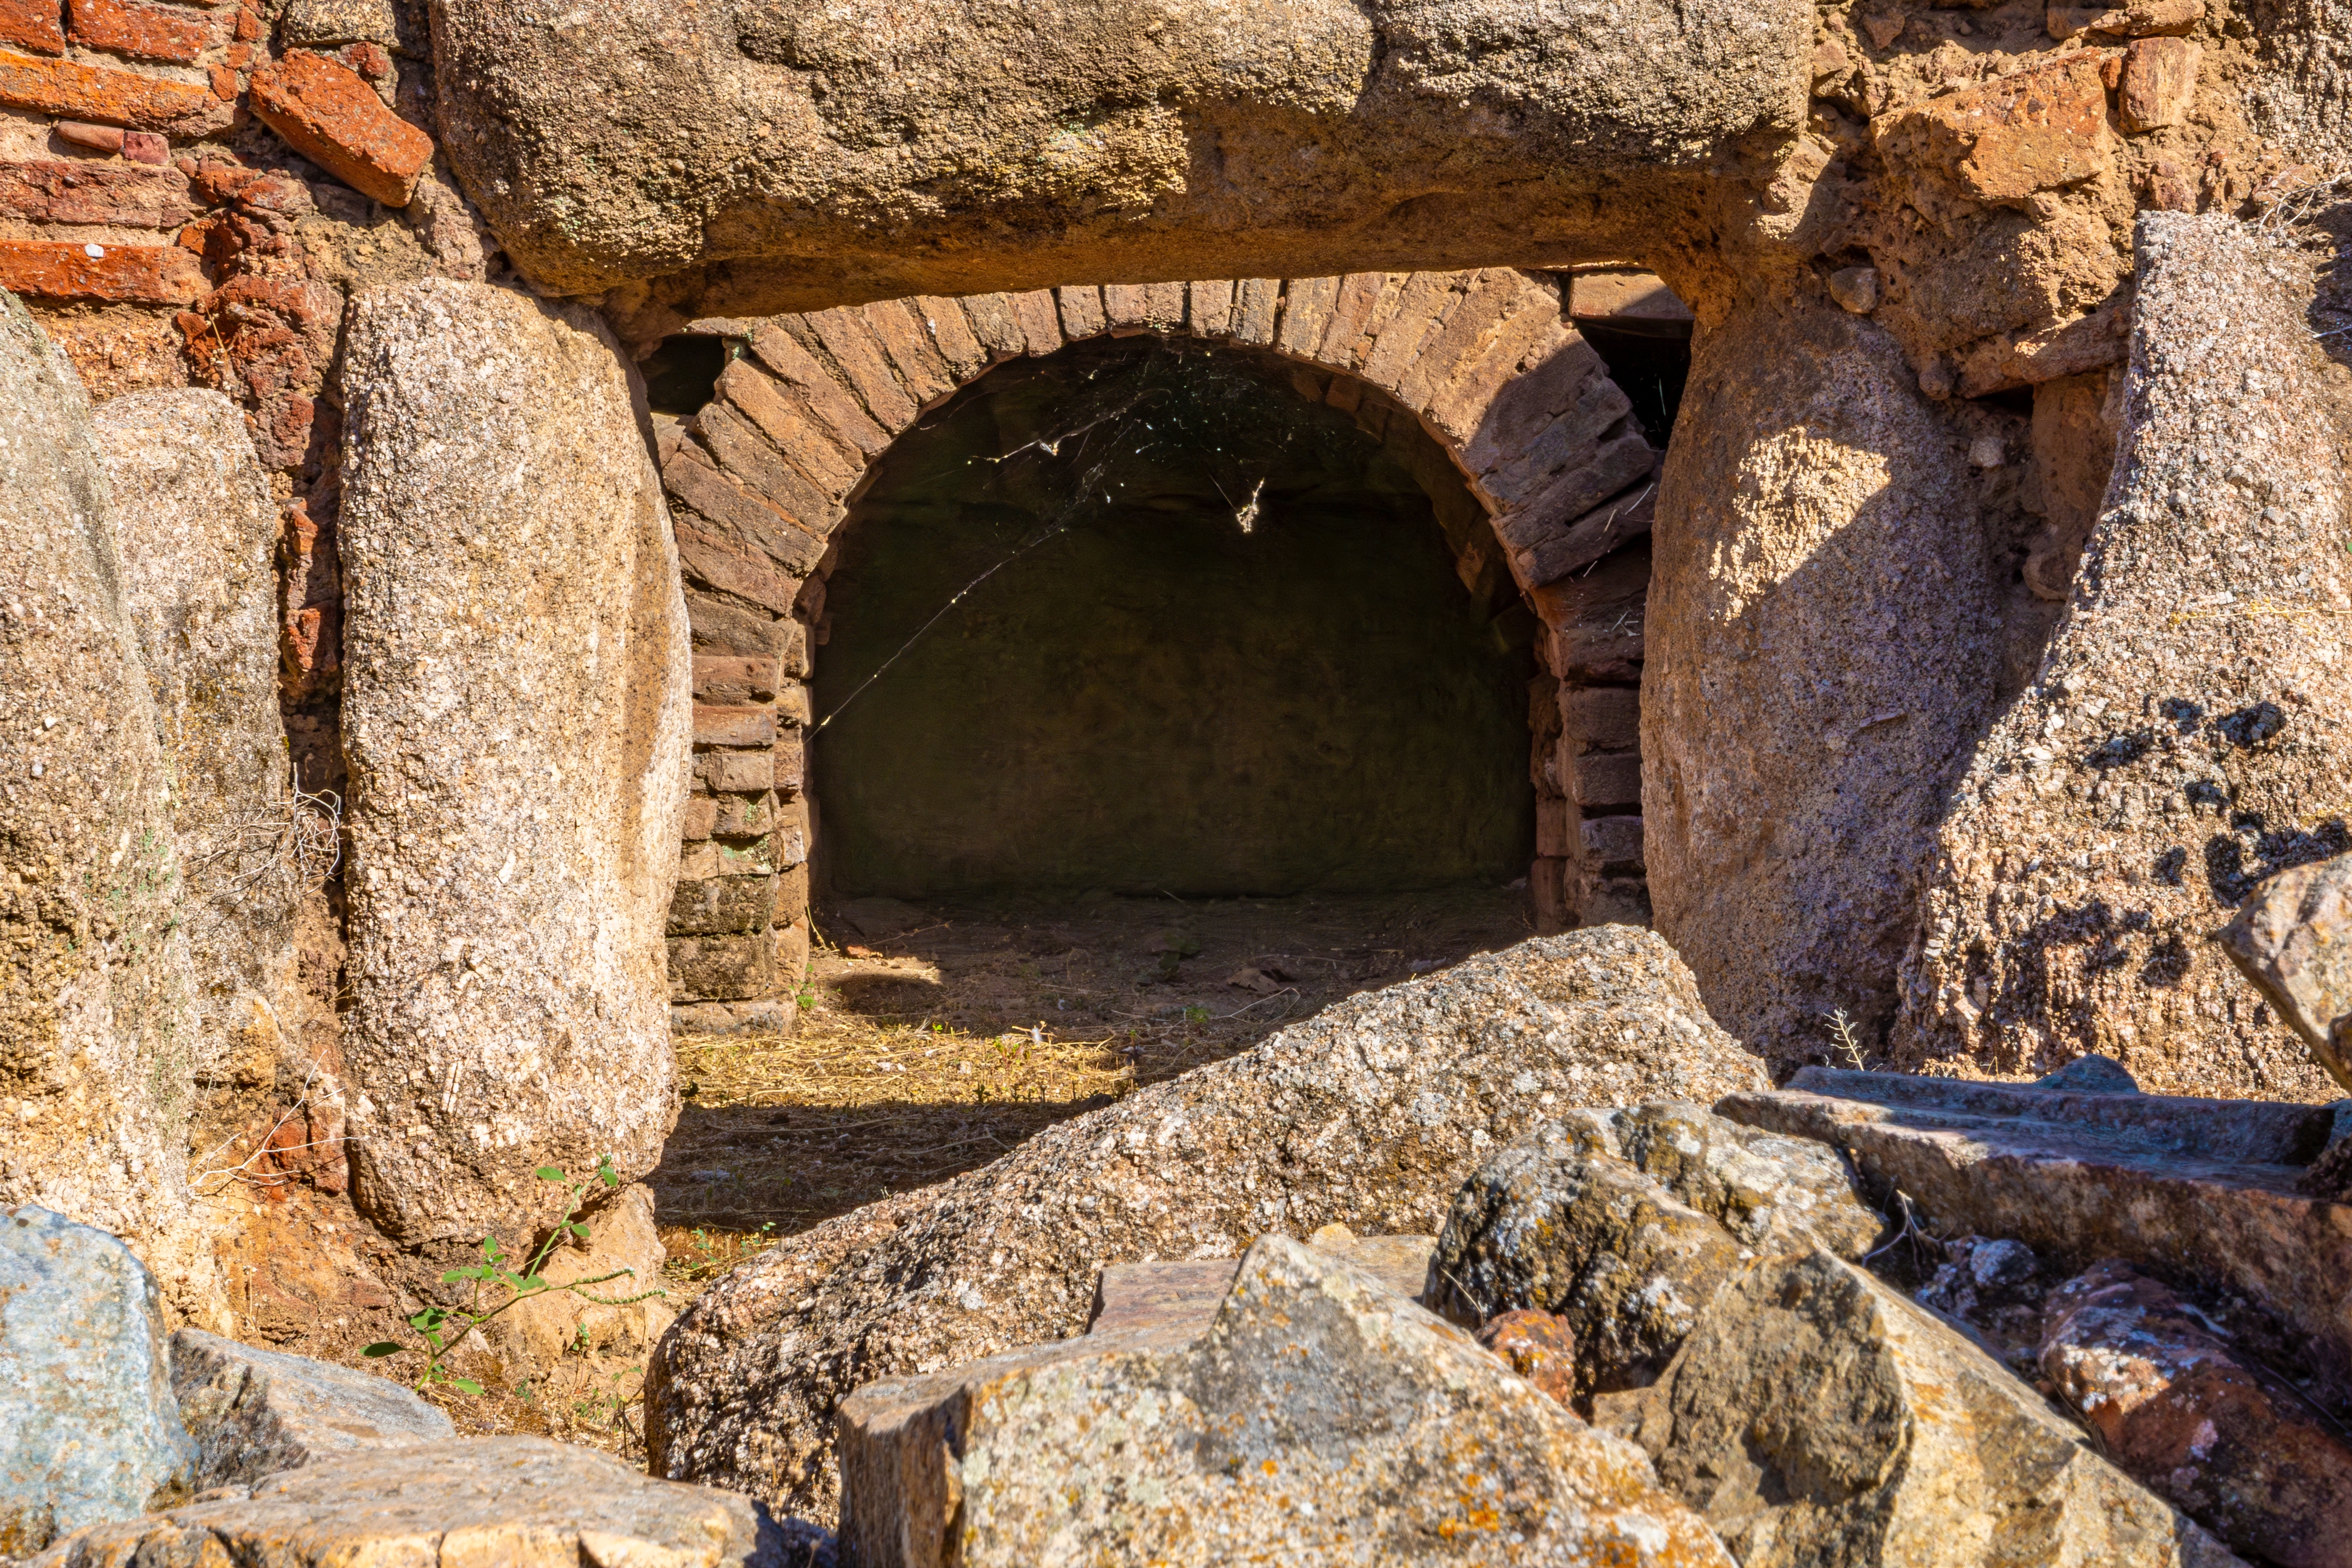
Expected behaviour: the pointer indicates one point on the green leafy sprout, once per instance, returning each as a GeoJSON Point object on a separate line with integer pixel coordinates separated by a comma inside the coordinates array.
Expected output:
{"type": "Point", "coordinates": [442, 1328]}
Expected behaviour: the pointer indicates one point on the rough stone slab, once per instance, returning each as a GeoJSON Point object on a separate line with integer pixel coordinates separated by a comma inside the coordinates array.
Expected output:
{"type": "Point", "coordinates": [2199, 1426]}
{"type": "Point", "coordinates": [198, 586]}
{"type": "Point", "coordinates": [1319, 1417]}
{"type": "Point", "coordinates": [2293, 940]}
{"type": "Point", "coordinates": [1085, 158]}
{"type": "Point", "coordinates": [2194, 686]}
{"type": "Point", "coordinates": [90, 1429]}
{"type": "Point", "coordinates": [1367, 1115]}
{"type": "Point", "coordinates": [1626, 1223]}
{"type": "Point", "coordinates": [1820, 1420]}
{"type": "Point", "coordinates": [1820, 587]}
{"type": "Point", "coordinates": [517, 686]}
{"type": "Point", "coordinates": [96, 993]}
{"type": "Point", "coordinates": [516, 1502]}
{"type": "Point", "coordinates": [2193, 1188]}
{"type": "Point", "coordinates": [255, 1412]}
{"type": "Point", "coordinates": [1131, 1295]}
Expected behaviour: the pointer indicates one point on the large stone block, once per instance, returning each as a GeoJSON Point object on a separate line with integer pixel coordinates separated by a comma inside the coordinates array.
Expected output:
{"type": "Point", "coordinates": [987, 189]}
{"type": "Point", "coordinates": [1626, 1223]}
{"type": "Point", "coordinates": [515, 715]}
{"type": "Point", "coordinates": [97, 1036]}
{"type": "Point", "coordinates": [199, 588]}
{"type": "Point", "coordinates": [89, 1430]}
{"type": "Point", "coordinates": [1820, 1420]}
{"type": "Point", "coordinates": [2293, 940]}
{"type": "Point", "coordinates": [518, 1502]}
{"type": "Point", "coordinates": [1310, 1422]}
{"type": "Point", "coordinates": [254, 1413]}
{"type": "Point", "coordinates": [2188, 1188]}
{"type": "Point", "coordinates": [1367, 1115]}
{"type": "Point", "coordinates": [2189, 728]}
{"type": "Point", "coordinates": [1823, 589]}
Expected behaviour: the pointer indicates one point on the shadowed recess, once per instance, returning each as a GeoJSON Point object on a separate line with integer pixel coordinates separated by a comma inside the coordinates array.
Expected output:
{"type": "Point", "coordinates": [1211, 641]}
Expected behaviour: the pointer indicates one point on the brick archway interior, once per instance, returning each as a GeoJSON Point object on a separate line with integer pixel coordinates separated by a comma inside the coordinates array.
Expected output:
{"type": "Point", "coordinates": [1486, 366]}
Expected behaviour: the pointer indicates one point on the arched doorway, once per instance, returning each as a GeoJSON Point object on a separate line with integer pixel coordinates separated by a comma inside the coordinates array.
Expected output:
{"type": "Point", "coordinates": [1486, 364]}
{"type": "Point", "coordinates": [1139, 619]}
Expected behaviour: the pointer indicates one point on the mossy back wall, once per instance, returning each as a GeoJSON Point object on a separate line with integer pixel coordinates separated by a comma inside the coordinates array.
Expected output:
{"type": "Point", "coordinates": [1145, 697]}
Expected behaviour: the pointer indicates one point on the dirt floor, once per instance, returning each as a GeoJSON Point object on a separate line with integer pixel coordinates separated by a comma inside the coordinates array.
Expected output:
{"type": "Point", "coordinates": [935, 1039]}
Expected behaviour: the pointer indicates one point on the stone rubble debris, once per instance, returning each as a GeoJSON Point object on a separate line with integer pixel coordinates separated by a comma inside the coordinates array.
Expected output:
{"type": "Point", "coordinates": [516, 1502]}
{"type": "Point", "coordinates": [1627, 1223]}
{"type": "Point", "coordinates": [2226, 1441]}
{"type": "Point", "coordinates": [2184, 1187]}
{"type": "Point", "coordinates": [1819, 1419]}
{"type": "Point", "coordinates": [1367, 1115]}
{"type": "Point", "coordinates": [1321, 1416]}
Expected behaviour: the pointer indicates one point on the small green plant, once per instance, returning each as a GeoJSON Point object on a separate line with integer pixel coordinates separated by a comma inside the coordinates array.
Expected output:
{"type": "Point", "coordinates": [1196, 1015]}
{"type": "Point", "coordinates": [443, 1327]}
{"type": "Point", "coordinates": [806, 998]}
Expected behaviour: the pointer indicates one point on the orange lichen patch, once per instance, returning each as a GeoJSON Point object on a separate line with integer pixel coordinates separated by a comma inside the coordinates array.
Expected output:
{"type": "Point", "coordinates": [108, 97]}
{"type": "Point", "coordinates": [327, 113]}
{"type": "Point", "coordinates": [148, 274]}
{"type": "Point", "coordinates": [32, 24]}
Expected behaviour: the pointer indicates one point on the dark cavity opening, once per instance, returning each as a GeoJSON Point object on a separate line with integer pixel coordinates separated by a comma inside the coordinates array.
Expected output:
{"type": "Point", "coordinates": [1649, 363]}
{"type": "Point", "coordinates": [1140, 618]}
{"type": "Point", "coordinates": [682, 372]}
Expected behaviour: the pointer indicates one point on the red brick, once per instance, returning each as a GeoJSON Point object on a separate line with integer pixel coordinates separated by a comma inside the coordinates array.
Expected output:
{"type": "Point", "coordinates": [733, 679]}
{"type": "Point", "coordinates": [144, 32]}
{"type": "Point", "coordinates": [1554, 834]}
{"type": "Point", "coordinates": [1548, 888]}
{"type": "Point", "coordinates": [734, 725]}
{"type": "Point", "coordinates": [109, 97]}
{"type": "Point", "coordinates": [146, 147]}
{"type": "Point", "coordinates": [146, 273]}
{"type": "Point", "coordinates": [97, 138]}
{"type": "Point", "coordinates": [709, 556]}
{"type": "Point", "coordinates": [249, 25]}
{"type": "Point", "coordinates": [78, 189]}
{"type": "Point", "coordinates": [736, 773]}
{"type": "Point", "coordinates": [1601, 779]}
{"type": "Point", "coordinates": [334, 118]}
{"type": "Point", "coordinates": [1613, 843]}
{"type": "Point", "coordinates": [32, 24]}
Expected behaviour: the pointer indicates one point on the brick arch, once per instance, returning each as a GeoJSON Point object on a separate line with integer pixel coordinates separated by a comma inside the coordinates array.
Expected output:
{"type": "Point", "coordinates": [1485, 366]}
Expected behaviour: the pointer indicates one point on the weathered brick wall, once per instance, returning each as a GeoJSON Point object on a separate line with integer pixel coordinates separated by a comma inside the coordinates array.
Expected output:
{"type": "Point", "coordinates": [1543, 472]}
{"type": "Point", "coordinates": [177, 200]}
